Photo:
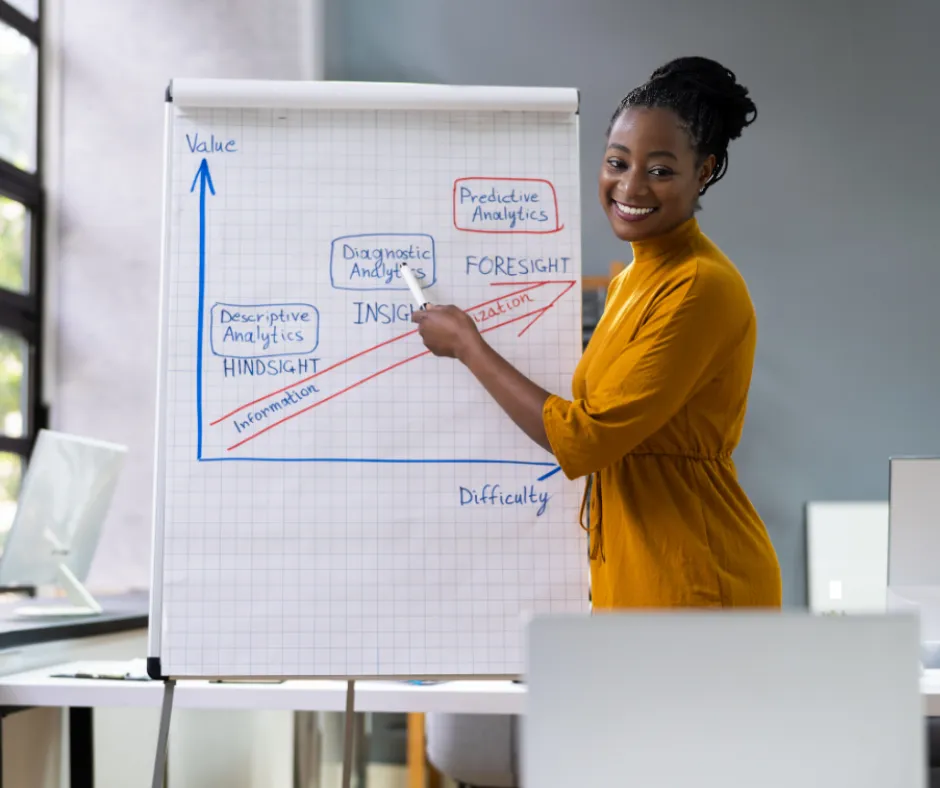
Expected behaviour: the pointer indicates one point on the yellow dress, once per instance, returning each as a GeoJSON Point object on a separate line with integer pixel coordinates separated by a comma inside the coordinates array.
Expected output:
{"type": "Point", "coordinates": [659, 403]}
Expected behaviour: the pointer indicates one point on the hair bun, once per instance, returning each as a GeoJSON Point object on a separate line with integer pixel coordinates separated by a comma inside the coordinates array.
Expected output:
{"type": "Point", "coordinates": [710, 103]}
{"type": "Point", "coordinates": [717, 84]}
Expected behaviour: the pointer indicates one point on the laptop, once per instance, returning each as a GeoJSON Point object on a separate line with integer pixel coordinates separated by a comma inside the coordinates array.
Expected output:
{"type": "Point", "coordinates": [723, 700]}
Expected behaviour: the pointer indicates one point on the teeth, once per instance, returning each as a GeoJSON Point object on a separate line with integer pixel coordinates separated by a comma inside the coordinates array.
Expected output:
{"type": "Point", "coordinates": [634, 211]}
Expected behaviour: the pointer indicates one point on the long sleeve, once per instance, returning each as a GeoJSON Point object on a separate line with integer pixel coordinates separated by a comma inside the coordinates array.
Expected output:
{"type": "Point", "coordinates": [691, 326]}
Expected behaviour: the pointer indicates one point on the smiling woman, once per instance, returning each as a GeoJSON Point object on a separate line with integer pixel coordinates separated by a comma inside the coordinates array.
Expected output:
{"type": "Point", "coordinates": [660, 394]}
{"type": "Point", "coordinates": [668, 142]}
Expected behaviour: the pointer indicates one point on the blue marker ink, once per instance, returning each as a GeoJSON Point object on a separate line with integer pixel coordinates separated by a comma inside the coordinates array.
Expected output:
{"type": "Point", "coordinates": [204, 179]}
{"type": "Point", "coordinates": [505, 266]}
{"type": "Point", "coordinates": [494, 495]}
{"type": "Point", "coordinates": [371, 261]}
{"type": "Point", "coordinates": [264, 330]}
{"type": "Point", "coordinates": [213, 145]}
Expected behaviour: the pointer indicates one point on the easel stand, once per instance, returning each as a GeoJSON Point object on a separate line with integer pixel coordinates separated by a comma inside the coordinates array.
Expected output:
{"type": "Point", "coordinates": [159, 764]}
{"type": "Point", "coordinates": [160, 757]}
{"type": "Point", "coordinates": [349, 737]}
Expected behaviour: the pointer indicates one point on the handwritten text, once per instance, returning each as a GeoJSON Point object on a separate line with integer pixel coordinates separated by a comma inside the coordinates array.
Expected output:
{"type": "Point", "coordinates": [257, 367]}
{"type": "Point", "coordinates": [289, 399]}
{"type": "Point", "coordinates": [382, 313]}
{"type": "Point", "coordinates": [499, 265]}
{"type": "Point", "coordinates": [260, 330]}
{"type": "Point", "coordinates": [505, 205]}
{"type": "Point", "coordinates": [495, 495]}
{"type": "Point", "coordinates": [371, 262]}
{"type": "Point", "coordinates": [211, 145]}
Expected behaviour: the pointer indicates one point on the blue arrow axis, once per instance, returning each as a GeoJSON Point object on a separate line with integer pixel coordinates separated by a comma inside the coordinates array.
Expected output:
{"type": "Point", "coordinates": [204, 180]}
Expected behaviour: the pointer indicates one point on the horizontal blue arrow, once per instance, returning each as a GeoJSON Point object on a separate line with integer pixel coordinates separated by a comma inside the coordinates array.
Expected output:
{"type": "Point", "coordinates": [392, 461]}
{"type": "Point", "coordinates": [551, 473]}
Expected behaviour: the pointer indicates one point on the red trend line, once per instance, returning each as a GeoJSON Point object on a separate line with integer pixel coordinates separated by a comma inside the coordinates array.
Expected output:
{"type": "Point", "coordinates": [327, 399]}
{"type": "Point", "coordinates": [543, 310]}
{"type": "Point", "coordinates": [310, 377]}
{"type": "Point", "coordinates": [360, 382]}
{"type": "Point", "coordinates": [539, 282]}
{"type": "Point", "coordinates": [531, 286]}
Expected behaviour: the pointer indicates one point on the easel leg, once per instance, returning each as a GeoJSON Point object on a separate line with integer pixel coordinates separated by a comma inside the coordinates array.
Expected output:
{"type": "Point", "coordinates": [349, 739]}
{"type": "Point", "coordinates": [159, 763]}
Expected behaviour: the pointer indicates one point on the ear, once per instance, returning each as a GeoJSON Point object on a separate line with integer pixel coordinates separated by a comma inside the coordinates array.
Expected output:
{"type": "Point", "coordinates": [705, 171]}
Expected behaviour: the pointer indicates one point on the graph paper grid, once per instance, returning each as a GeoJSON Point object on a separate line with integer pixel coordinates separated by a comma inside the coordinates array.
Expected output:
{"type": "Point", "coordinates": [335, 500]}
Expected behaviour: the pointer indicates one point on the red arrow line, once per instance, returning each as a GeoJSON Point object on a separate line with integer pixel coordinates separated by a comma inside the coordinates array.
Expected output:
{"type": "Point", "coordinates": [539, 282]}
{"type": "Point", "coordinates": [543, 310]}
{"type": "Point", "coordinates": [364, 380]}
{"type": "Point", "coordinates": [530, 286]}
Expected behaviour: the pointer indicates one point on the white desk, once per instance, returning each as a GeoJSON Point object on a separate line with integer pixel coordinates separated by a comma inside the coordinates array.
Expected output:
{"type": "Point", "coordinates": [38, 688]}
{"type": "Point", "coordinates": [930, 688]}
{"type": "Point", "coordinates": [34, 737]}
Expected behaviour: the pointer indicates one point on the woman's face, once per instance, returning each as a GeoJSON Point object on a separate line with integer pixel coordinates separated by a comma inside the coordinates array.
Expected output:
{"type": "Point", "coordinates": [651, 176]}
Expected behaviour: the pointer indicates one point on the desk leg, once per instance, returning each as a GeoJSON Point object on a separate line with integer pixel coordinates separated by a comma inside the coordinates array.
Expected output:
{"type": "Point", "coordinates": [81, 748]}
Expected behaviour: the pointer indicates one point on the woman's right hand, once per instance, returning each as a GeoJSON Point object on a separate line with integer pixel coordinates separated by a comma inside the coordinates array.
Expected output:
{"type": "Point", "coordinates": [447, 331]}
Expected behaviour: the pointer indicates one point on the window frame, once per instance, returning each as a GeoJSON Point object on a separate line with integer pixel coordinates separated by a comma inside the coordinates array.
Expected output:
{"type": "Point", "coordinates": [22, 313]}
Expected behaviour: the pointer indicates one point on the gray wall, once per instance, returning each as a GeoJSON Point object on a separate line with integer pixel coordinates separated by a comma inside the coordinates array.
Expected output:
{"type": "Point", "coordinates": [829, 207]}
{"type": "Point", "coordinates": [116, 58]}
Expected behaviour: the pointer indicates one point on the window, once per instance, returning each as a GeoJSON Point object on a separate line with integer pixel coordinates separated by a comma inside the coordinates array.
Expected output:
{"type": "Point", "coordinates": [21, 220]}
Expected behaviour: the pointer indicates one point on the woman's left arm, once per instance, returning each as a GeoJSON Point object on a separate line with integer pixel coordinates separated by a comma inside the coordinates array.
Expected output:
{"type": "Point", "coordinates": [449, 331]}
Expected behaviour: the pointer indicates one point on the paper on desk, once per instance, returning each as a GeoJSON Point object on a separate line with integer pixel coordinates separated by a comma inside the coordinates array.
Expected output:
{"type": "Point", "coordinates": [130, 670]}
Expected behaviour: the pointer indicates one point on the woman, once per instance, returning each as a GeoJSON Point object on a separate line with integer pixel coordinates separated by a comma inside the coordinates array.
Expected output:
{"type": "Point", "coordinates": [660, 393]}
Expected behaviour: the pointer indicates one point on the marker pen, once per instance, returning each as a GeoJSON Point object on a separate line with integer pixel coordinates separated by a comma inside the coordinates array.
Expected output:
{"type": "Point", "coordinates": [413, 286]}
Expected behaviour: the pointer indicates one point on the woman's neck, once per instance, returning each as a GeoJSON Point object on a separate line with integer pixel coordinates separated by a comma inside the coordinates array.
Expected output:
{"type": "Point", "coordinates": [665, 244]}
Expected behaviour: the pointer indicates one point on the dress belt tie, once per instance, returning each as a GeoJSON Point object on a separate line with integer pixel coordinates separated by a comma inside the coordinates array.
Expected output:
{"type": "Point", "coordinates": [591, 501]}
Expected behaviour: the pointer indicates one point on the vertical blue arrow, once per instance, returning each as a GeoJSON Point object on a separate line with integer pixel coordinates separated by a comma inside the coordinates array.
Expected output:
{"type": "Point", "coordinates": [203, 179]}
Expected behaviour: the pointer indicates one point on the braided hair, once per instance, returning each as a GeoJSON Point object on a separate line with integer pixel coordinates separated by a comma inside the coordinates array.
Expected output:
{"type": "Point", "coordinates": [712, 107]}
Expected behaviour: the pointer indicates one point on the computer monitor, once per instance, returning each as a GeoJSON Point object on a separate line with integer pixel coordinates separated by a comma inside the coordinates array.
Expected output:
{"type": "Point", "coordinates": [914, 532]}
{"type": "Point", "coordinates": [65, 496]}
{"type": "Point", "coordinates": [914, 547]}
{"type": "Point", "coordinates": [723, 699]}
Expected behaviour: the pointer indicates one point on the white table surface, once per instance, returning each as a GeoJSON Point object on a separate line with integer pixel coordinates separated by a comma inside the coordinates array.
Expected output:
{"type": "Point", "coordinates": [930, 689]}
{"type": "Point", "coordinates": [39, 688]}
